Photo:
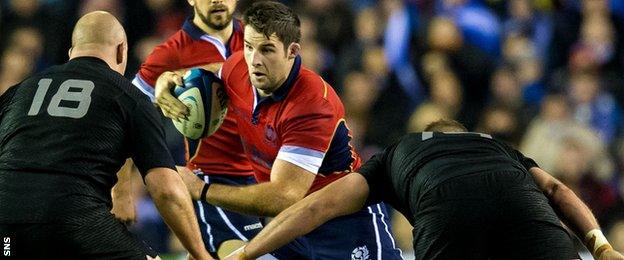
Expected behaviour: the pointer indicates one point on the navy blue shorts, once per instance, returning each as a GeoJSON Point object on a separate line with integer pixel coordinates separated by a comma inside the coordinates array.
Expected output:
{"type": "Point", "coordinates": [218, 225]}
{"type": "Point", "coordinates": [364, 235]}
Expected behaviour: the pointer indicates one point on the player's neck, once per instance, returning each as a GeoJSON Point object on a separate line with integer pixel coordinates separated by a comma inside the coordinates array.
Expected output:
{"type": "Point", "coordinates": [264, 93]}
{"type": "Point", "coordinates": [90, 52]}
{"type": "Point", "coordinates": [223, 35]}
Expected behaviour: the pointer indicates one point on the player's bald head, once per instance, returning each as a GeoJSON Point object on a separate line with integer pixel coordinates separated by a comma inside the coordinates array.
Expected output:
{"type": "Point", "coordinates": [98, 28]}
{"type": "Point", "coordinates": [99, 34]}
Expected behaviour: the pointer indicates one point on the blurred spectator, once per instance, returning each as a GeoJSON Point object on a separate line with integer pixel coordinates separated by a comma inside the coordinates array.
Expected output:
{"type": "Point", "coordinates": [15, 65]}
{"type": "Point", "coordinates": [367, 34]}
{"type": "Point", "coordinates": [333, 18]}
{"type": "Point", "coordinates": [358, 97]}
{"type": "Point", "coordinates": [505, 88]}
{"type": "Point", "coordinates": [112, 6]}
{"type": "Point", "coordinates": [479, 26]}
{"type": "Point", "coordinates": [434, 62]}
{"type": "Point", "coordinates": [574, 168]}
{"type": "Point", "coordinates": [501, 123]}
{"type": "Point", "coordinates": [446, 91]}
{"type": "Point", "coordinates": [141, 50]}
{"type": "Point", "coordinates": [471, 65]}
{"type": "Point", "coordinates": [524, 20]}
{"type": "Point", "coordinates": [426, 113]}
{"type": "Point", "coordinates": [29, 41]}
{"type": "Point", "coordinates": [593, 106]}
{"type": "Point", "coordinates": [545, 136]}
{"type": "Point", "coordinates": [397, 50]}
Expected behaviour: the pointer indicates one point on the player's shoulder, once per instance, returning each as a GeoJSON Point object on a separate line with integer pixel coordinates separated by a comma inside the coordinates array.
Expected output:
{"type": "Point", "coordinates": [173, 44]}
{"type": "Point", "coordinates": [311, 86]}
{"type": "Point", "coordinates": [236, 62]}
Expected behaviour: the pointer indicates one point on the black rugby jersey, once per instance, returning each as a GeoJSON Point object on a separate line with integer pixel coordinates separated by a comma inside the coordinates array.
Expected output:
{"type": "Point", "coordinates": [406, 170]}
{"type": "Point", "coordinates": [67, 131]}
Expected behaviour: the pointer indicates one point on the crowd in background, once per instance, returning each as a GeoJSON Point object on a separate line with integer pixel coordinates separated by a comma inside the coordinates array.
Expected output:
{"type": "Point", "coordinates": [545, 75]}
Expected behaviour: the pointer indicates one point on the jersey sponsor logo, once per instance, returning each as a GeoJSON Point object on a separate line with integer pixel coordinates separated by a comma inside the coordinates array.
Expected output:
{"type": "Point", "coordinates": [360, 253]}
{"type": "Point", "coordinates": [253, 226]}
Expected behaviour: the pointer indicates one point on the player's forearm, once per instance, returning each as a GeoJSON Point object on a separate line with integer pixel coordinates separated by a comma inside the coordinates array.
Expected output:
{"type": "Point", "coordinates": [174, 204]}
{"type": "Point", "coordinates": [572, 210]}
{"type": "Point", "coordinates": [264, 199]}
{"type": "Point", "coordinates": [296, 221]}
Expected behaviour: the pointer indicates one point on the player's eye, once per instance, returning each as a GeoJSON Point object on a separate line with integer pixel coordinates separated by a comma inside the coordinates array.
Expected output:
{"type": "Point", "coordinates": [267, 50]}
{"type": "Point", "coordinates": [248, 47]}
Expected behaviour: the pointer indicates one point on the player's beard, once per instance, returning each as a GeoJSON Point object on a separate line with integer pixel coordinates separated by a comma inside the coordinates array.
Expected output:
{"type": "Point", "coordinates": [211, 20]}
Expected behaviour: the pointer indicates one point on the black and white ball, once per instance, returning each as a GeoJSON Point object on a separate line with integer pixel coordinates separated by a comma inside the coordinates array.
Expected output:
{"type": "Point", "coordinates": [204, 94]}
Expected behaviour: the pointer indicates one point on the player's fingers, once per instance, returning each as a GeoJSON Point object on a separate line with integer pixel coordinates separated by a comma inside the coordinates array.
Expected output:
{"type": "Point", "coordinates": [172, 105]}
{"type": "Point", "coordinates": [177, 79]}
{"type": "Point", "coordinates": [167, 113]}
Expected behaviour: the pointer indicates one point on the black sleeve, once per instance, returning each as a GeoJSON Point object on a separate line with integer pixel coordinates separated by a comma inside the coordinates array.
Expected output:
{"type": "Point", "coordinates": [5, 99]}
{"type": "Point", "coordinates": [148, 147]}
{"type": "Point", "coordinates": [526, 162]}
{"type": "Point", "coordinates": [374, 171]}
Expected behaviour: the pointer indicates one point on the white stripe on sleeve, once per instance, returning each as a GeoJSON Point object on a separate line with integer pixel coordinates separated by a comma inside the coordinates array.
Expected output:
{"type": "Point", "coordinates": [308, 159]}
{"type": "Point", "coordinates": [144, 87]}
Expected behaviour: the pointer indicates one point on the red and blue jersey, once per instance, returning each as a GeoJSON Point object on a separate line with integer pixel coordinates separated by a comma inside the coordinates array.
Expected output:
{"type": "Point", "coordinates": [302, 122]}
{"type": "Point", "coordinates": [221, 153]}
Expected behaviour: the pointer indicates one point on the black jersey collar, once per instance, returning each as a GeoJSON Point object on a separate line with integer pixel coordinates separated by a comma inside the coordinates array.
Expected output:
{"type": "Point", "coordinates": [90, 59]}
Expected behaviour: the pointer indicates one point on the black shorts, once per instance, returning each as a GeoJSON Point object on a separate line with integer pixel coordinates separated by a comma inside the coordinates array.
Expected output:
{"type": "Point", "coordinates": [500, 215]}
{"type": "Point", "coordinates": [94, 234]}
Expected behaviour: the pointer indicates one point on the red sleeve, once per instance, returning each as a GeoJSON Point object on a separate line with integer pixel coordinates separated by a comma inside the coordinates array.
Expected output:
{"type": "Point", "coordinates": [163, 58]}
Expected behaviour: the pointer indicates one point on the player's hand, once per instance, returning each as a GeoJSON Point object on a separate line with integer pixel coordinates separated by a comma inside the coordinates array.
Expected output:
{"type": "Point", "coordinates": [124, 209]}
{"type": "Point", "coordinates": [193, 184]}
{"type": "Point", "coordinates": [170, 106]}
{"type": "Point", "coordinates": [611, 255]}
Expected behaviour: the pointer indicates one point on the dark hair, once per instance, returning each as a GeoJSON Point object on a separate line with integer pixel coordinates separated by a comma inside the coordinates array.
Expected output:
{"type": "Point", "coordinates": [270, 17]}
{"type": "Point", "coordinates": [445, 125]}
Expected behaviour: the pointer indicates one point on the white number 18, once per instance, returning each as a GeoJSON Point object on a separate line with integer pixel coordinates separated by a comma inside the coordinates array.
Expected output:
{"type": "Point", "coordinates": [83, 97]}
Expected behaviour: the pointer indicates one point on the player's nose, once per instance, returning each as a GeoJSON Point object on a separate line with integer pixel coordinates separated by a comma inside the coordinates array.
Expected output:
{"type": "Point", "coordinates": [256, 59]}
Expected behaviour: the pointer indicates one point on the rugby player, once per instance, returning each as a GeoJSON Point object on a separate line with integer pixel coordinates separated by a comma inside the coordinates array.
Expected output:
{"type": "Point", "coordinates": [205, 40]}
{"type": "Point", "coordinates": [293, 130]}
{"type": "Point", "coordinates": [467, 195]}
{"type": "Point", "coordinates": [63, 135]}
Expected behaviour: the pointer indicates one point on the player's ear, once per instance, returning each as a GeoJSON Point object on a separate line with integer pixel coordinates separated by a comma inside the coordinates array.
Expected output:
{"type": "Point", "coordinates": [191, 2]}
{"type": "Point", "coordinates": [121, 53]}
{"type": "Point", "coordinates": [293, 50]}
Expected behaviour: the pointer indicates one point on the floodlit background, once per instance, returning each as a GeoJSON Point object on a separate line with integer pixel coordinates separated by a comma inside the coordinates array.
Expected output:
{"type": "Point", "coordinates": [545, 75]}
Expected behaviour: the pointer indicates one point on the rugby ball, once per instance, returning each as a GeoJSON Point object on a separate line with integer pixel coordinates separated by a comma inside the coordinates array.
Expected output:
{"type": "Point", "coordinates": [203, 93]}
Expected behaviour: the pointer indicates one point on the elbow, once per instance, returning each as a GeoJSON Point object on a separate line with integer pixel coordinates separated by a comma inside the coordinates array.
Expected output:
{"type": "Point", "coordinates": [166, 193]}
{"type": "Point", "coordinates": [292, 196]}
{"type": "Point", "coordinates": [558, 191]}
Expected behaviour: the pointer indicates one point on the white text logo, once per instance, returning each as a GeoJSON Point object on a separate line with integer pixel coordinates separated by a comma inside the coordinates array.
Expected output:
{"type": "Point", "coordinates": [7, 246]}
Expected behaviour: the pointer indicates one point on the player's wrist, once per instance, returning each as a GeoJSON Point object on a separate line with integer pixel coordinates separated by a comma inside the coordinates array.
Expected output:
{"type": "Point", "coordinates": [597, 243]}
{"type": "Point", "coordinates": [243, 254]}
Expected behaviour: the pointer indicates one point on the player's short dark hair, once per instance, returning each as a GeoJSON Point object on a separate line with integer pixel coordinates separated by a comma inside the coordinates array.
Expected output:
{"type": "Point", "coordinates": [445, 125]}
{"type": "Point", "coordinates": [270, 17]}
